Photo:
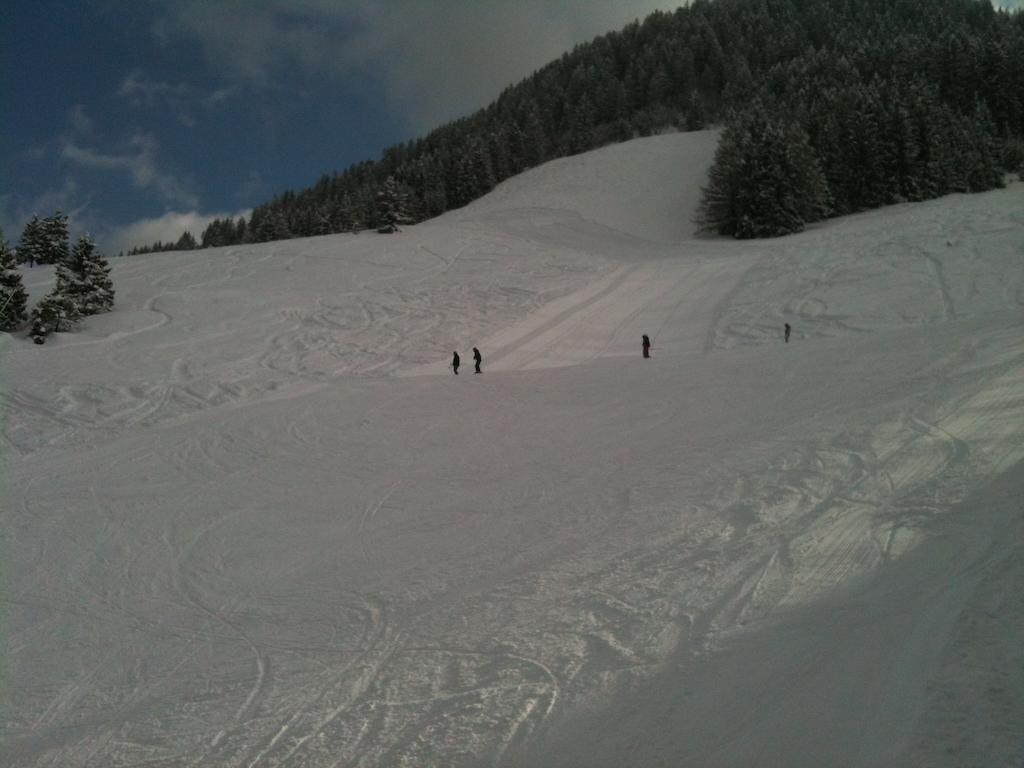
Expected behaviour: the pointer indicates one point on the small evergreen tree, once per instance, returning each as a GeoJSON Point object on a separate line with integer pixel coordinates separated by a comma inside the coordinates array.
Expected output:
{"type": "Point", "coordinates": [101, 298]}
{"type": "Point", "coordinates": [32, 246]}
{"type": "Point", "coordinates": [85, 277]}
{"type": "Point", "coordinates": [54, 313]}
{"type": "Point", "coordinates": [13, 296]}
{"type": "Point", "coordinates": [391, 207]}
{"type": "Point", "coordinates": [186, 242]}
{"type": "Point", "coordinates": [69, 279]}
{"type": "Point", "coordinates": [55, 238]}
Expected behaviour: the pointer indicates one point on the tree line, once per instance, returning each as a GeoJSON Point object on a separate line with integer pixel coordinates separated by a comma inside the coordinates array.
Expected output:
{"type": "Point", "coordinates": [82, 284]}
{"type": "Point", "coordinates": [850, 129]}
{"type": "Point", "coordinates": [879, 101]}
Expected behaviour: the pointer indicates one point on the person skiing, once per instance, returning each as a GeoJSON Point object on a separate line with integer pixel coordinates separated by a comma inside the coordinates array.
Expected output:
{"type": "Point", "coordinates": [455, 362]}
{"type": "Point", "coordinates": [647, 346]}
{"type": "Point", "coordinates": [788, 328]}
{"type": "Point", "coordinates": [477, 359]}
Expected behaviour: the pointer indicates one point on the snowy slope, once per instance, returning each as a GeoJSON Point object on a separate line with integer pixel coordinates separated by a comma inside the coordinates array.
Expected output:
{"type": "Point", "coordinates": [251, 519]}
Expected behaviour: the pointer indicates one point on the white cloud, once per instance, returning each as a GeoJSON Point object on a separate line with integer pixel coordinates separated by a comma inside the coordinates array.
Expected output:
{"type": "Point", "coordinates": [166, 228]}
{"type": "Point", "coordinates": [139, 161]}
{"type": "Point", "coordinates": [221, 95]}
{"type": "Point", "coordinates": [80, 121]}
{"type": "Point", "coordinates": [263, 38]}
{"type": "Point", "coordinates": [142, 90]}
{"type": "Point", "coordinates": [436, 60]}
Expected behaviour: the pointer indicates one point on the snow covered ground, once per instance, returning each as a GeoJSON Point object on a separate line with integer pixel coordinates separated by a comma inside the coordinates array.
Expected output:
{"type": "Point", "coordinates": [251, 519]}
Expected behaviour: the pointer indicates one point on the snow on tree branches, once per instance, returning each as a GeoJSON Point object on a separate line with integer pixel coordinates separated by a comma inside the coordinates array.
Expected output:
{"type": "Point", "coordinates": [44, 241]}
{"type": "Point", "coordinates": [82, 288]}
{"type": "Point", "coordinates": [89, 283]}
{"type": "Point", "coordinates": [391, 207]}
{"type": "Point", "coordinates": [13, 296]}
{"type": "Point", "coordinates": [55, 312]}
{"type": "Point", "coordinates": [765, 181]}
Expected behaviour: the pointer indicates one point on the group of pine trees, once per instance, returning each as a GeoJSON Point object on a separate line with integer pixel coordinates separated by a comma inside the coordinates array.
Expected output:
{"type": "Point", "coordinates": [846, 130]}
{"type": "Point", "coordinates": [82, 285]}
{"type": "Point", "coordinates": [830, 106]}
{"type": "Point", "coordinates": [186, 242]}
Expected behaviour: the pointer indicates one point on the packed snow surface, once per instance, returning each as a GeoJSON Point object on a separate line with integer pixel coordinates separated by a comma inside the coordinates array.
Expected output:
{"type": "Point", "coordinates": [250, 518]}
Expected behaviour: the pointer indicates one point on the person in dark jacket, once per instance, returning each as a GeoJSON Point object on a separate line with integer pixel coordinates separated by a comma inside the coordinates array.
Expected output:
{"type": "Point", "coordinates": [788, 328]}
{"type": "Point", "coordinates": [455, 362]}
{"type": "Point", "coordinates": [477, 359]}
{"type": "Point", "coordinates": [647, 346]}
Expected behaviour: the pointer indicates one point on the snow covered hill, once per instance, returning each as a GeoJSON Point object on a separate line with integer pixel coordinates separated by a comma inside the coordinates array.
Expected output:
{"type": "Point", "coordinates": [251, 519]}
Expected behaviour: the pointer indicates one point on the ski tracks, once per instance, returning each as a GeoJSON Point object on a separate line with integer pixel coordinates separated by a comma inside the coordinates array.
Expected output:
{"type": "Point", "coordinates": [829, 515]}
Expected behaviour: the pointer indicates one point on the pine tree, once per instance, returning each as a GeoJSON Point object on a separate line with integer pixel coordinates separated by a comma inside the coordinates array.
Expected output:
{"type": "Point", "coordinates": [101, 299]}
{"type": "Point", "coordinates": [322, 224]}
{"type": "Point", "coordinates": [32, 246]}
{"type": "Point", "coordinates": [391, 207]}
{"type": "Point", "coordinates": [55, 238]}
{"type": "Point", "coordinates": [581, 127]}
{"type": "Point", "coordinates": [54, 313]}
{"type": "Point", "coordinates": [13, 296]}
{"type": "Point", "coordinates": [259, 229]}
{"type": "Point", "coordinates": [765, 180]}
{"type": "Point", "coordinates": [186, 242]}
{"type": "Point", "coordinates": [279, 227]}
{"type": "Point", "coordinates": [70, 278]}
{"type": "Point", "coordinates": [435, 199]}
{"type": "Point", "coordinates": [343, 215]}
{"type": "Point", "coordinates": [984, 172]}
{"type": "Point", "coordinates": [85, 277]}
{"type": "Point", "coordinates": [900, 152]}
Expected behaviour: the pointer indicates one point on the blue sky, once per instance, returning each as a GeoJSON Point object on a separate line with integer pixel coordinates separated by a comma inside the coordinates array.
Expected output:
{"type": "Point", "coordinates": [142, 118]}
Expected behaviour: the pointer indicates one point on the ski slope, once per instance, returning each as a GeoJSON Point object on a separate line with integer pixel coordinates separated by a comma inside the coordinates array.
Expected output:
{"type": "Point", "coordinates": [251, 519]}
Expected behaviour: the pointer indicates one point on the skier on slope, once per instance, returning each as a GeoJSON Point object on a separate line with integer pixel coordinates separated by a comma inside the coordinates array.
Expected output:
{"type": "Point", "coordinates": [647, 346]}
{"type": "Point", "coordinates": [455, 362]}
{"type": "Point", "coordinates": [788, 328]}
{"type": "Point", "coordinates": [477, 359]}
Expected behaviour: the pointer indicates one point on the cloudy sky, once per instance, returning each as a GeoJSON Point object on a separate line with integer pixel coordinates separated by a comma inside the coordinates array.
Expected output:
{"type": "Point", "coordinates": [140, 118]}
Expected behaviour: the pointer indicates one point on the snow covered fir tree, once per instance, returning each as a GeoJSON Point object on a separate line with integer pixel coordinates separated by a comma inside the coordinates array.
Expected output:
{"type": "Point", "coordinates": [82, 287]}
{"type": "Point", "coordinates": [32, 246]}
{"type": "Point", "coordinates": [765, 181]}
{"type": "Point", "coordinates": [54, 313]}
{"type": "Point", "coordinates": [391, 207]}
{"type": "Point", "coordinates": [13, 296]}
{"type": "Point", "coordinates": [88, 282]}
{"type": "Point", "coordinates": [44, 241]}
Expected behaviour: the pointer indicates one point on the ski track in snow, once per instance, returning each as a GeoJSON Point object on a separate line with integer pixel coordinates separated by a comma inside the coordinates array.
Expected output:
{"type": "Point", "coordinates": [277, 532]}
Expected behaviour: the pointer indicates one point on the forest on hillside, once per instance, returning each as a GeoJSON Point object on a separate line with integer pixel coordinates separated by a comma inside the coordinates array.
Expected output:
{"type": "Point", "coordinates": [829, 107]}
